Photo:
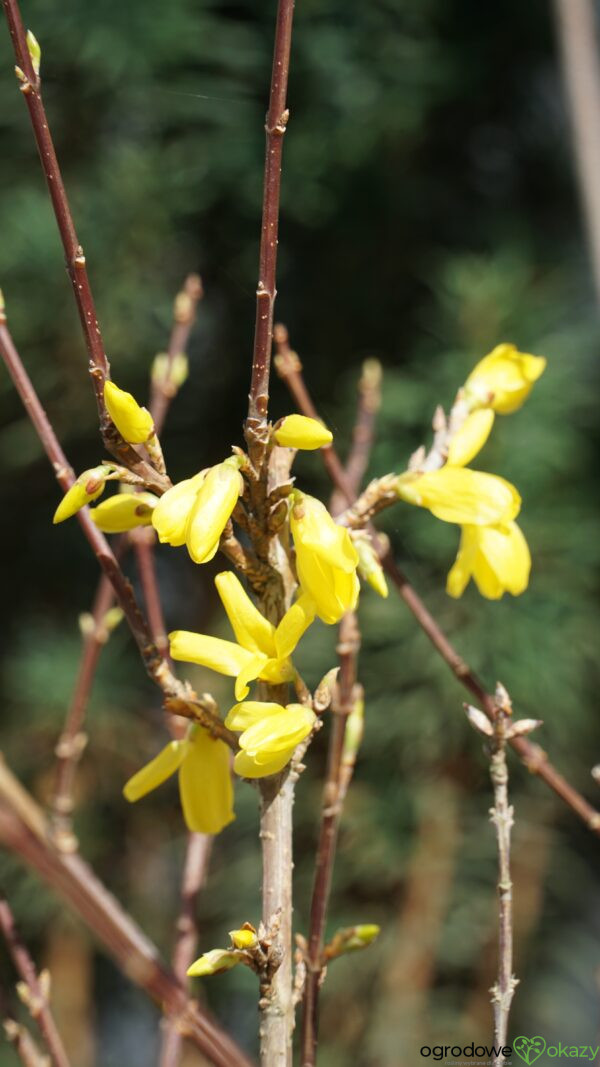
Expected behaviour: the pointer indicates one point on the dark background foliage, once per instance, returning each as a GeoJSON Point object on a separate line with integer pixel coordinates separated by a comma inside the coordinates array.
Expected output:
{"type": "Point", "coordinates": [428, 212]}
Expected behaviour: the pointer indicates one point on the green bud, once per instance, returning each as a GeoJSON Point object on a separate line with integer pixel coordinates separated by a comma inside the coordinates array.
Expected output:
{"type": "Point", "coordinates": [218, 959]}
{"type": "Point", "coordinates": [35, 52]}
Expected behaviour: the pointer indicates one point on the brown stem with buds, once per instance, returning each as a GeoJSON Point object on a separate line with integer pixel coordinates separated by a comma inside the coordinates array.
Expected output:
{"type": "Point", "coordinates": [349, 639]}
{"type": "Point", "coordinates": [75, 259]}
{"type": "Point", "coordinates": [276, 123]}
{"type": "Point", "coordinates": [72, 740]}
{"type": "Point", "coordinates": [34, 995]}
{"type": "Point", "coordinates": [184, 316]}
{"type": "Point", "coordinates": [290, 370]}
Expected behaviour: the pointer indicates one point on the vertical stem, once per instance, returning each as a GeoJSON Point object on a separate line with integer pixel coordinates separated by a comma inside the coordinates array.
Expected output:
{"type": "Point", "coordinates": [330, 819]}
{"type": "Point", "coordinates": [276, 1005]}
{"type": "Point", "coordinates": [501, 815]}
{"type": "Point", "coordinates": [277, 117]}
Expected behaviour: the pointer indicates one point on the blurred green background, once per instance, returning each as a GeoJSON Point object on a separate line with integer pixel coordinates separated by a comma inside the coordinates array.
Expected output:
{"type": "Point", "coordinates": [429, 211]}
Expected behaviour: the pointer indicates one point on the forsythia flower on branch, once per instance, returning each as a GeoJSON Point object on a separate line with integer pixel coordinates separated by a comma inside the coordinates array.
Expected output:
{"type": "Point", "coordinates": [326, 559]}
{"type": "Point", "coordinates": [134, 423]}
{"type": "Point", "coordinates": [195, 512]}
{"type": "Point", "coordinates": [262, 650]}
{"type": "Point", "coordinates": [205, 785]}
{"type": "Point", "coordinates": [124, 512]}
{"type": "Point", "coordinates": [496, 557]}
{"type": "Point", "coordinates": [88, 487]}
{"type": "Point", "coordinates": [470, 438]}
{"type": "Point", "coordinates": [503, 379]}
{"type": "Point", "coordinates": [299, 431]}
{"type": "Point", "coordinates": [461, 495]}
{"type": "Point", "coordinates": [270, 733]}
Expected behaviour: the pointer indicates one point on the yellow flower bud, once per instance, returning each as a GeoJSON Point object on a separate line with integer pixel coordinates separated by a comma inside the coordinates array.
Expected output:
{"type": "Point", "coordinates": [87, 488]}
{"type": "Point", "coordinates": [124, 511]}
{"type": "Point", "coordinates": [503, 379]}
{"type": "Point", "coordinates": [369, 566]}
{"type": "Point", "coordinates": [218, 959]}
{"type": "Point", "coordinates": [215, 501]}
{"type": "Point", "coordinates": [298, 431]}
{"type": "Point", "coordinates": [244, 938]}
{"type": "Point", "coordinates": [270, 735]}
{"type": "Point", "coordinates": [133, 422]}
{"type": "Point", "coordinates": [496, 557]}
{"type": "Point", "coordinates": [471, 437]}
{"type": "Point", "coordinates": [462, 495]}
{"type": "Point", "coordinates": [171, 514]}
{"type": "Point", "coordinates": [326, 559]}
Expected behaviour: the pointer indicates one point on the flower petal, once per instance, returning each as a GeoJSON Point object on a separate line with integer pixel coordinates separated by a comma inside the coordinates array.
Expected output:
{"type": "Point", "coordinates": [269, 736]}
{"type": "Point", "coordinates": [124, 511]}
{"type": "Point", "coordinates": [251, 670]}
{"type": "Point", "coordinates": [212, 510]}
{"type": "Point", "coordinates": [247, 767]}
{"type": "Point", "coordinates": [471, 437]}
{"type": "Point", "coordinates": [294, 624]}
{"type": "Point", "coordinates": [462, 495]}
{"type": "Point", "coordinates": [225, 657]}
{"type": "Point", "coordinates": [299, 431]}
{"type": "Point", "coordinates": [243, 715]}
{"type": "Point", "coordinates": [249, 625]}
{"type": "Point", "coordinates": [205, 784]}
{"type": "Point", "coordinates": [171, 514]}
{"type": "Point", "coordinates": [157, 771]}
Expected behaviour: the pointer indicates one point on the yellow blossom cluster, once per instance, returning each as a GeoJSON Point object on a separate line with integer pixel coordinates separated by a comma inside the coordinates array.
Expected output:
{"type": "Point", "coordinates": [493, 550]}
{"type": "Point", "coordinates": [328, 558]}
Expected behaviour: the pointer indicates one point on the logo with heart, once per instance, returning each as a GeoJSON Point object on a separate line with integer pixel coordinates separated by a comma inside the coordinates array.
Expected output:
{"type": "Point", "coordinates": [529, 1048]}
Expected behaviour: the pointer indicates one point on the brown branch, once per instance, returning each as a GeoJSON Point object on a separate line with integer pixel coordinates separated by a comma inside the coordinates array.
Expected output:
{"type": "Point", "coordinates": [195, 870]}
{"type": "Point", "coordinates": [22, 1042]}
{"type": "Point", "coordinates": [32, 993]}
{"type": "Point", "coordinates": [72, 740]}
{"type": "Point", "coordinates": [74, 255]}
{"type": "Point", "coordinates": [24, 830]}
{"type": "Point", "coordinates": [349, 640]}
{"type": "Point", "coordinates": [290, 370]}
{"type": "Point", "coordinates": [369, 402]}
{"type": "Point", "coordinates": [502, 817]}
{"type": "Point", "coordinates": [276, 122]}
{"type": "Point", "coordinates": [163, 389]}
{"type": "Point", "coordinates": [143, 540]}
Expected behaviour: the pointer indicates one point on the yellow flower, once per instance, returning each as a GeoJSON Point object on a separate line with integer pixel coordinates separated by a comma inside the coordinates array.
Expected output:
{"type": "Point", "coordinates": [326, 559]}
{"type": "Point", "coordinates": [471, 437]}
{"type": "Point", "coordinates": [218, 959]}
{"type": "Point", "coordinates": [205, 785]}
{"type": "Point", "coordinates": [496, 557]}
{"type": "Point", "coordinates": [196, 511]}
{"type": "Point", "coordinates": [86, 488]}
{"type": "Point", "coordinates": [462, 495]}
{"type": "Point", "coordinates": [262, 650]}
{"type": "Point", "coordinates": [503, 379]}
{"type": "Point", "coordinates": [133, 422]}
{"type": "Point", "coordinates": [124, 511]}
{"type": "Point", "coordinates": [298, 431]}
{"type": "Point", "coordinates": [245, 937]}
{"type": "Point", "coordinates": [270, 734]}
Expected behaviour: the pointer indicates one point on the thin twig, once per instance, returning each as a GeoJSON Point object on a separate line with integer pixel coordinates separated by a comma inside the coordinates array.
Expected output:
{"type": "Point", "coordinates": [24, 830]}
{"type": "Point", "coordinates": [23, 1043]}
{"type": "Point", "coordinates": [185, 306]}
{"type": "Point", "coordinates": [501, 815]}
{"type": "Point", "coordinates": [32, 990]}
{"type": "Point", "coordinates": [275, 127]}
{"type": "Point", "coordinates": [74, 255]}
{"type": "Point", "coordinates": [290, 370]}
{"type": "Point", "coordinates": [342, 705]}
{"type": "Point", "coordinates": [72, 740]}
{"type": "Point", "coordinates": [195, 870]}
